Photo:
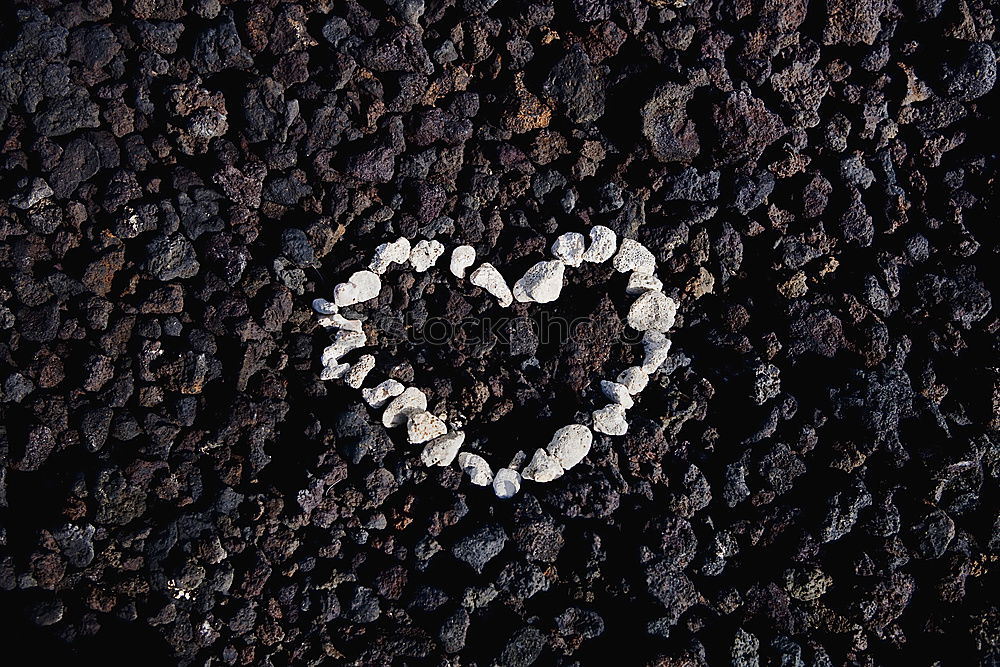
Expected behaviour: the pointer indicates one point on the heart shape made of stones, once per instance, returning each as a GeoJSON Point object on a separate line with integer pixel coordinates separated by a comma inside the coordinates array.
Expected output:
{"type": "Point", "coordinates": [652, 312]}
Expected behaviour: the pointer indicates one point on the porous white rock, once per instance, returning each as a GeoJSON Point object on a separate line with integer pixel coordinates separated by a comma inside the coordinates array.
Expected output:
{"type": "Point", "coordinates": [381, 393]}
{"type": "Point", "coordinates": [360, 287]}
{"type": "Point", "coordinates": [603, 242]}
{"type": "Point", "coordinates": [338, 321]}
{"type": "Point", "coordinates": [633, 256]}
{"type": "Point", "coordinates": [634, 379]}
{"type": "Point", "coordinates": [441, 451]}
{"type": "Point", "coordinates": [324, 307]}
{"type": "Point", "coordinates": [570, 445]}
{"type": "Point", "coordinates": [343, 342]}
{"type": "Point", "coordinates": [334, 371]}
{"type": "Point", "coordinates": [359, 371]}
{"type": "Point", "coordinates": [656, 348]}
{"type": "Point", "coordinates": [476, 467]}
{"type": "Point", "coordinates": [487, 277]}
{"type": "Point", "coordinates": [506, 483]}
{"type": "Point", "coordinates": [541, 283]}
{"type": "Point", "coordinates": [385, 254]}
{"type": "Point", "coordinates": [642, 282]}
{"type": "Point", "coordinates": [568, 248]}
{"type": "Point", "coordinates": [345, 294]}
{"type": "Point", "coordinates": [543, 467]}
{"type": "Point", "coordinates": [617, 393]}
{"type": "Point", "coordinates": [411, 400]}
{"type": "Point", "coordinates": [422, 426]}
{"type": "Point", "coordinates": [652, 311]}
{"type": "Point", "coordinates": [425, 254]}
{"type": "Point", "coordinates": [462, 258]}
{"type": "Point", "coordinates": [368, 284]}
{"type": "Point", "coordinates": [610, 420]}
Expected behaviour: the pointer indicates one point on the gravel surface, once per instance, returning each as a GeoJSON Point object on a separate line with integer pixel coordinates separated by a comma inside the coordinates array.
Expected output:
{"type": "Point", "coordinates": [810, 478]}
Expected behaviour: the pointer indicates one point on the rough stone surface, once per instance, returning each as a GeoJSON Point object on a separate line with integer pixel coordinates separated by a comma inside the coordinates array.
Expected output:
{"type": "Point", "coordinates": [487, 277]}
{"type": "Point", "coordinates": [462, 257]}
{"type": "Point", "coordinates": [396, 413]}
{"type": "Point", "coordinates": [542, 283]}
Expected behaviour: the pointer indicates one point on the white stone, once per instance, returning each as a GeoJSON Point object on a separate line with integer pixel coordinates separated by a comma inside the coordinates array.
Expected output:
{"type": "Point", "coordinates": [634, 379]}
{"type": "Point", "coordinates": [610, 420]}
{"type": "Point", "coordinates": [359, 371]}
{"type": "Point", "coordinates": [334, 371]}
{"type": "Point", "coordinates": [656, 347]}
{"type": "Point", "coordinates": [568, 248]}
{"type": "Point", "coordinates": [345, 294]}
{"type": "Point", "coordinates": [422, 426]}
{"type": "Point", "coordinates": [441, 451]}
{"type": "Point", "coordinates": [425, 254]}
{"type": "Point", "coordinates": [603, 242]}
{"type": "Point", "coordinates": [381, 393]}
{"type": "Point", "coordinates": [570, 445]}
{"type": "Point", "coordinates": [476, 467]}
{"type": "Point", "coordinates": [324, 307]}
{"type": "Point", "coordinates": [411, 400]}
{"type": "Point", "coordinates": [396, 252]}
{"type": "Point", "coordinates": [338, 321]}
{"type": "Point", "coordinates": [652, 311]}
{"type": "Point", "coordinates": [633, 256]}
{"type": "Point", "coordinates": [368, 284]}
{"type": "Point", "coordinates": [506, 483]}
{"type": "Point", "coordinates": [541, 283]}
{"type": "Point", "coordinates": [462, 258]}
{"type": "Point", "coordinates": [343, 342]}
{"type": "Point", "coordinates": [487, 277]}
{"type": "Point", "coordinates": [642, 282]}
{"type": "Point", "coordinates": [360, 287]}
{"type": "Point", "coordinates": [617, 393]}
{"type": "Point", "coordinates": [543, 467]}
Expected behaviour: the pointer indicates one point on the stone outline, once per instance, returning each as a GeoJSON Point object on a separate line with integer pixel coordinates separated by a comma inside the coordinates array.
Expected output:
{"type": "Point", "coordinates": [651, 312]}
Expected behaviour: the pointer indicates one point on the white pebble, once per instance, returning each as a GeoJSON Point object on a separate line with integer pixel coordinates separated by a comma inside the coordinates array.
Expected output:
{"type": "Point", "coordinates": [570, 445]}
{"type": "Point", "coordinates": [396, 252]}
{"type": "Point", "coordinates": [633, 256]}
{"type": "Point", "coordinates": [487, 277]}
{"type": "Point", "coordinates": [462, 258]}
{"type": "Point", "coordinates": [345, 294]}
{"type": "Point", "coordinates": [541, 283]}
{"type": "Point", "coordinates": [568, 248]}
{"type": "Point", "coordinates": [642, 282]}
{"type": "Point", "coordinates": [359, 371]}
{"type": "Point", "coordinates": [656, 347]}
{"type": "Point", "coordinates": [368, 284]}
{"type": "Point", "coordinates": [422, 426]}
{"type": "Point", "coordinates": [441, 451]}
{"type": "Point", "coordinates": [381, 393]}
{"type": "Point", "coordinates": [476, 467]}
{"type": "Point", "coordinates": [652, 311]}
{"type": "Point", "coordinates": [360, 287]}
{"type": "Point", "coordinates": [425, 254]}
{"type": "Point", "coordinates": [543, 467]}
{"type": "Point", "coordinates": [343, 342]}
{"type": "Point", "coordinates": [411, 400]}
{"type": "Point", "coordinates": [324, 307]}
{"type": "Point", "coordinates": [506, 483]}
{"type": "Point", "coordinates": [603, 242]}
{"type": "Point", "coordinates": [338, 321]}
{"type": "Point", "coordinates": [334, 371]}
{"type": "Point", "coordinates": [617, 393]}
{"type": "Point", "coordinates": [634, 379]}
{"type": "Point", "coordinates": [610, 420]}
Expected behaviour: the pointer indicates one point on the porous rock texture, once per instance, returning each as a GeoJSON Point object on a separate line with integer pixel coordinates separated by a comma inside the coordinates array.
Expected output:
{"type": "Point", "coordinates": [810, 477]}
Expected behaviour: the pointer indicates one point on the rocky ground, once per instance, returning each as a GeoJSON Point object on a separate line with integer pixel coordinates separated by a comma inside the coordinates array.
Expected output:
{"type": "Point", "coordinates": [812, 479]}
